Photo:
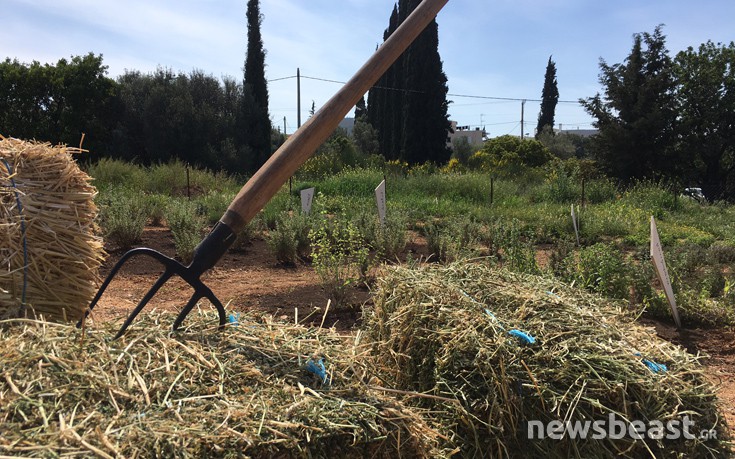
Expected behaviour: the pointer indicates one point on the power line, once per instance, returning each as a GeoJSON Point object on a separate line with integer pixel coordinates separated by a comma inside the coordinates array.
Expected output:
{"type": "Point", "coordinates": [376, 87]}
{"type": "Point", "coordinates": [468, 96]}
{"type": "Point", "coordinates": [514, 99]}
{"type": "Point", "coordinates": [283, 78]}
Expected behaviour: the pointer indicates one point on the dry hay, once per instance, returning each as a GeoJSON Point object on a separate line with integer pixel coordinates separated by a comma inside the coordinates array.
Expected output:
{"type": "Point", "coordinates": [60, 242]}
{"type": "Point", "coordinates": [444, 331]}
{"type": "Point", "coordinates": [242, 392]}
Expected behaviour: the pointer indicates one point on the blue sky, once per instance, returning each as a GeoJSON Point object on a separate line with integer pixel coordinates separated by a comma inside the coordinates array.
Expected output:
{"type": "Point", "coordinates": [495, 48]}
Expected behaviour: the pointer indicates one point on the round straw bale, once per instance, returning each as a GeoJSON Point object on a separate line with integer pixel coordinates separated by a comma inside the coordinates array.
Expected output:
{"type": "Point", "coordinates": [516, 354]}
{"type": "Point", "coordinates": [50, 250]}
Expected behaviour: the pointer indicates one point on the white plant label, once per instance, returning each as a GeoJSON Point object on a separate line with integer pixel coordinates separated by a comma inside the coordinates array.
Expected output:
{"type": "Point", "coordinates": [575, 222]}
{"type": "Point", "coordinates": [380, 200]}
{"type": "Point", "coordinates": [307, 196]}
{"type": "Point", "coordinates": [657, 254]}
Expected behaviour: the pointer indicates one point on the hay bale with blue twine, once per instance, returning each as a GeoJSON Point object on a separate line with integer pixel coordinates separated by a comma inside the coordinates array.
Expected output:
{"type": "Point", "coordinates": [50, 248]}
{"type": "Point", "coordinates": [511, 360]}
{"type": "Point", "coordinates": [248, 391]}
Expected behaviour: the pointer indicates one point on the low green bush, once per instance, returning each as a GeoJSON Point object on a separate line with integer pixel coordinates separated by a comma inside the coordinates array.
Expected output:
{"type": "Point", "coordinates": [339, 256]}
{"type": "Point", "coordinates": [123, 215]}
{"type": "Point", "coordinates": [289, 240]}
{"type": "Point", "coordinates": [113, 173]}
{"type": "Point", "coordinates": [514, 246]}
{"type": "Point", "coordinates": [213, 205]}
{"type": "Point", "coordinates": [601, 268]}
{"type": "Point", "coordinates": [187, 227]}
{"type": "Point", "coordinates": [156, 205]}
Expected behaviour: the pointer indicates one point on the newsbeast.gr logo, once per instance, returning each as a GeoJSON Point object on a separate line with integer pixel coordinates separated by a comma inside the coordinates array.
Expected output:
{"type": "Point", "coordinates": [615, 428]}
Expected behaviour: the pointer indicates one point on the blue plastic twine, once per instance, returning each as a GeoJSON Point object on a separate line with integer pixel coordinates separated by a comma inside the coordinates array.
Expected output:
{"type": "Point", "coordinates": [523, 336]}
{"type": "Point", "coordinates": [317, 367]}
{"type": "Point", "coordinates": [234, 319]}
{"type": "Point", "coordinates": [653, 366]}
{"type": "Point", "coordinates": [22, 230]}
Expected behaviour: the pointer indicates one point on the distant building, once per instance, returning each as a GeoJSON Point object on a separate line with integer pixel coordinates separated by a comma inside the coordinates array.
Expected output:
{"type": "Point", "coordinates": [475, 137]}
{"type": "Point", "coordinates": [579, 132]}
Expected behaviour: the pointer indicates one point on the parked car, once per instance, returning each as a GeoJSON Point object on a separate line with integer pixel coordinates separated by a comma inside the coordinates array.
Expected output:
{"type": "Point", "coordinates": [696, 194]}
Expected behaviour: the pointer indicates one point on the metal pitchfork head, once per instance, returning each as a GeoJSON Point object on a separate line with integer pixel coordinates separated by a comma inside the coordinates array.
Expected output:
{"type": "Point", "coordinates": [206, 255]}
{"type": "Point", "coordinates": [269, 179]}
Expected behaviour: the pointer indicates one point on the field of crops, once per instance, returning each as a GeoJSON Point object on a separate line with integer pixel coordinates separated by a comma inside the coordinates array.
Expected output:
{"type": "Point", "coordinates": [523, 224]}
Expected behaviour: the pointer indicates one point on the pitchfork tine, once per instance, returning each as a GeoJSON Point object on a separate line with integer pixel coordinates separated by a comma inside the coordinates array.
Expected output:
{"type": "Point", "coordinates": [205, 256]}
{"type": "Point", "coordinates": [153, 290]}
{"type": "Point", "coordinates": [201, 291]}
{"type": "Point", "coordinates": [129, 254]}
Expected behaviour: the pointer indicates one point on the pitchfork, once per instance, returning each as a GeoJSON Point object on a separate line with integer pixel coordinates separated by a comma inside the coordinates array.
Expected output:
{"type": "Point", "coordinates": [273, 174]}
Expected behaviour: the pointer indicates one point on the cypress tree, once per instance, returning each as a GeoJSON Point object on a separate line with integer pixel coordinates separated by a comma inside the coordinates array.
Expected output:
{"type": "Point", "coordinates": [408, 105]}
{"type": "Point", "coordinates": [375, 108]}
{"type": "Point", "coordinates": [391, 97]}
{"type": "Point", "coordinates": [549, 99]}
{"type": "Point", "coordinates": [425, 119]}
{"type": "Point", "coordinates": [381, 99]}
{"type": "Point", "coordinates": [256, 124]}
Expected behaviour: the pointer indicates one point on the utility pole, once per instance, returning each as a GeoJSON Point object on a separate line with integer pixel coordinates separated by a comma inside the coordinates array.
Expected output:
{"type": "Point", "coordinates": [284, 125]}
{"type": "Point", "coordinates": [298, 97]}
{"type": "Point", "coordinates": [523, 104]}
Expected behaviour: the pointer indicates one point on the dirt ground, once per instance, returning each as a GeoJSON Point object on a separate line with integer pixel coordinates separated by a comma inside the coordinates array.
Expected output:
{"type": "Point", "coordinates": [251, 280]}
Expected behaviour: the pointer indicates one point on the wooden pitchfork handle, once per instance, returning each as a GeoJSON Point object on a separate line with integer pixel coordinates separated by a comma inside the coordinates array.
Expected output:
{"type": "Point", "coordinates": [272, 175]}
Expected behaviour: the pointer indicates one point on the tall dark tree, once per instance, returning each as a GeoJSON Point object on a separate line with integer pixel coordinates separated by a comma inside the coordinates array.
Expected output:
{"type": "Point", "coordinates": [255, 121]}
{"type": "Point", "coordinates": [408, 106]}
{"type": "Point", "coordinates": [383, 99]}
{"type": "Point", "coordinates": [425, 107]}
{"type": "Point", "coordinates": [706, 95]}
{"type": "Point", "coordinates": [637, 115]}
{"type": "Point", "coordinates": [549, 99]}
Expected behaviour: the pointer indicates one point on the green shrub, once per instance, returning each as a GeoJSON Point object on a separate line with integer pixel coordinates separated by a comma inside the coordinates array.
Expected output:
{"type": "Point", "coordinates": [282, 242]}
{"type": "Point", "coordinates": [156, 205]}
{"type": "Point", "coordinates": [116, 173]}
{"type": "Point", "coordinates": [560, 251]}
{"type": "Point", "coordinates": [187, 227]}
{"type": "Point", "coordinates": [722, 252]}
{"type": "Point", "coordinates": [289, 241]}
{"type": "Point", "coordinates": [339, 255]}
{"type": "Point", "coordinates": [512, 246]}
{"type": "Point", "coordinates": [436, 241]}
{"type": "Point", "coordinates": [213, 205]}
{"type": "Point", "coordinates": [600, 190]}
{"type": "Point", "coordinates": [387, 240]}
{"type": "Point", "coordinates": [695, 310]}
{"type": "Point", "coordinates": [123, 216]}
{"type": "Point", "coordinates": [559, 187]}
{"type": "Point", "coordinates": [713, 282]}
{"type": "Point", "coordinates": [245, 236]}
{"type": "Point", "coordinates": [653, 198]}
{"type": "Point", "coordinates": [390, 237]}
{"type": "Point", "coordinates": [601, 268]}
{"type": "Point", "coordinates": [271, 213]}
